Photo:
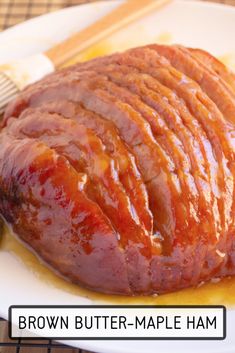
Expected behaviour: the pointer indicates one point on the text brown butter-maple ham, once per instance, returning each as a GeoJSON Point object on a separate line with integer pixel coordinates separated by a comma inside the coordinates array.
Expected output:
{"type": "Point", "coordinates": [119, 172]}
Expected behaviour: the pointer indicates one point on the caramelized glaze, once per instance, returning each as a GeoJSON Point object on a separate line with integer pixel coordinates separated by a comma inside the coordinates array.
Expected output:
{"type": "Point", "coordinates": [218, 293]}
{"type": "Point", "coordinates": [198, 243]}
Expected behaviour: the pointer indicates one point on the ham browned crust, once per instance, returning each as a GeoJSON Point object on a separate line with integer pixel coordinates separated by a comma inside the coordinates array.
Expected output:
{"type": "Point", "coordinates": [119, 172]}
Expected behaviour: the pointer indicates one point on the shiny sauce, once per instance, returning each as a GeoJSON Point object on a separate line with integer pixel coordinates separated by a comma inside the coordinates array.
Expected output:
{"type": "Point", "coordinates": [216, 292]}
{"type": "Point", "coordinates": [212, 293]}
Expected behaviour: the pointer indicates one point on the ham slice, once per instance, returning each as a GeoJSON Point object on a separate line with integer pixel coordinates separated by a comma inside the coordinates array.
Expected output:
{"type": "Point", "coordinates": [119, 172]}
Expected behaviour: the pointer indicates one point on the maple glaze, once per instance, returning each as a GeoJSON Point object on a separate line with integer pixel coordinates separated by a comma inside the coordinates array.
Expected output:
{"type": "Point", "coordinates": [220, 293]}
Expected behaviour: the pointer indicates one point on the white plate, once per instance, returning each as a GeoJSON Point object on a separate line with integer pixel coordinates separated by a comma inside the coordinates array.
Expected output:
{"type": "Point", "coordinates": [191, 23]}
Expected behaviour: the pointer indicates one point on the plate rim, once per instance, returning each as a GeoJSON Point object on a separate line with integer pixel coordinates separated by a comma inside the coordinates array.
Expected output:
{"type": "Point", "coordinates": [102, 3]}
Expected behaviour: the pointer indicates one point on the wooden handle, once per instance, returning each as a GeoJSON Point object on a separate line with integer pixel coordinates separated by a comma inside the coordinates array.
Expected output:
{"type": "Point", "coordinates": [128, 12]}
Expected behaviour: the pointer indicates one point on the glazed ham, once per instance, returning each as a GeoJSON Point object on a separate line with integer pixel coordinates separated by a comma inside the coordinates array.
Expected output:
{"type": "Point", "coordinates": [119, 172]}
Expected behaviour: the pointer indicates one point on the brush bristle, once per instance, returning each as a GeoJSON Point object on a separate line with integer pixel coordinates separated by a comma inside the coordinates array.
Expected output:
{"type": "Point", "coordinates": [8, 91]}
